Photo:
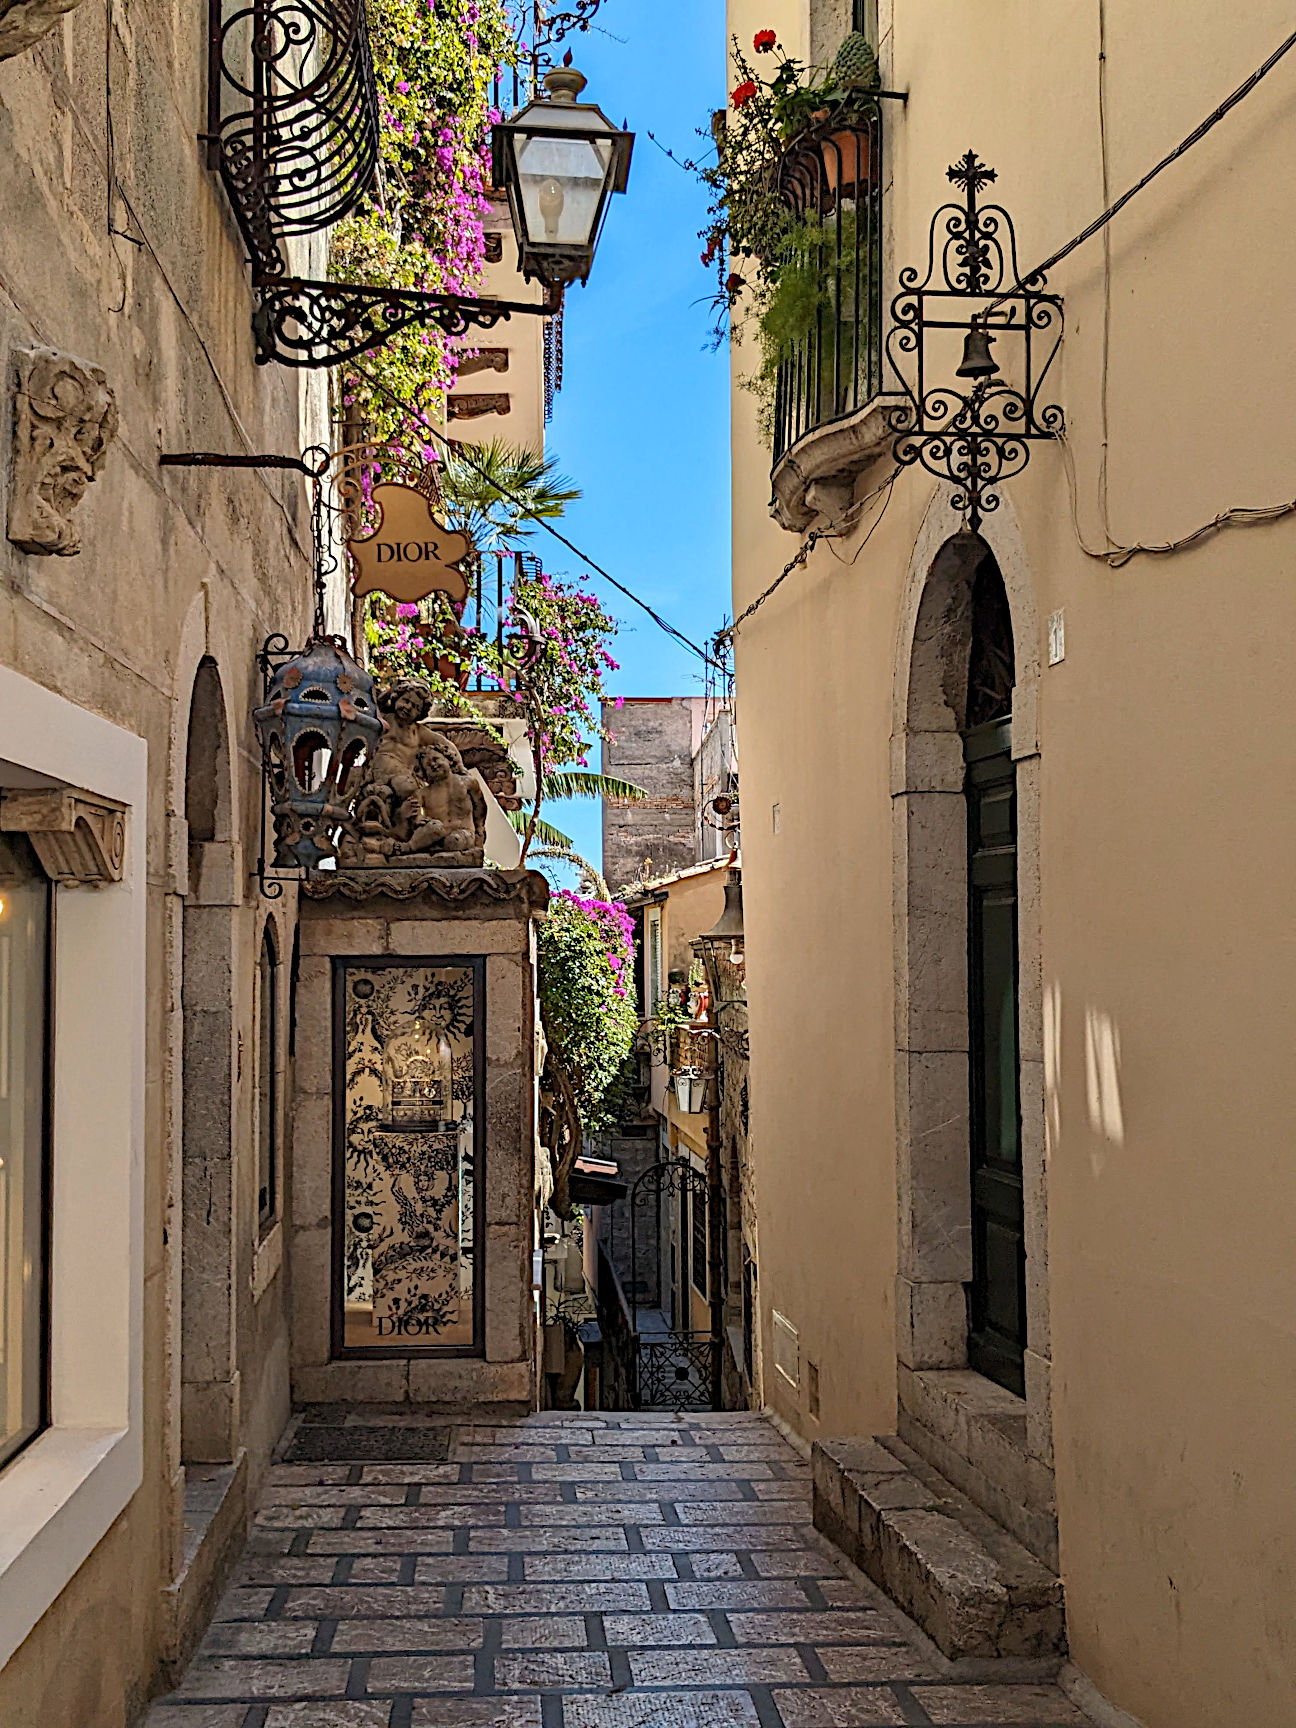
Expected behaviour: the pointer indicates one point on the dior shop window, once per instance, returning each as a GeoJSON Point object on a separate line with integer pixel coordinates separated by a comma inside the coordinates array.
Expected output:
{"type": "Point", "coordinates": [408, 1142]}
{"type": "Point", "coordinates": [25, 905]}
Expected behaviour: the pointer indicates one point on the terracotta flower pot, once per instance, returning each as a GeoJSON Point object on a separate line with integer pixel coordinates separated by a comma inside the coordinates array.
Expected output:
{"type": "Point", "coordinates": [848, 158]}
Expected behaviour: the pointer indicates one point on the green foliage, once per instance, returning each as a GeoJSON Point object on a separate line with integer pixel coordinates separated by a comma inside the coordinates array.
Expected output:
{"type": "Point", "coordinates": [774, 269]}
{"type": "Point", "coordinates": [421, 227]}
{"type": "Point", "coordinates": [586, 955]}
{"type": "Point", "coordinates": [669, 1018]}
{"type": "Point", "coordinates": [494, 492]}
{"type": "Point", "coordinates": [813, 291]}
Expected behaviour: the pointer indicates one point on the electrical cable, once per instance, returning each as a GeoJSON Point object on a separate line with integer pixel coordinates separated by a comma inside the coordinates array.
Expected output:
{"type": "Point", "coordinates": [1239, 516]}
{"type": "Point", "coordinates": [1194, 137]}
{"type": "Point", "coordinates": [725, 636]}
{"type": "Point", "coordinates": [460, 452]}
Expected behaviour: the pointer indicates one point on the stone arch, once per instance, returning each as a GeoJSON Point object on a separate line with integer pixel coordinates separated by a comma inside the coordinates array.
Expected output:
{"type": "Point", "coordinates": [211, 881]}
{"type": "Point", "coordinates": [944, 1407]}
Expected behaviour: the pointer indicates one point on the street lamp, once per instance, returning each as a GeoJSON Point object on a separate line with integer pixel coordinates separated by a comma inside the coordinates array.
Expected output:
{"type": "Point", "coordinates": [560, 161]}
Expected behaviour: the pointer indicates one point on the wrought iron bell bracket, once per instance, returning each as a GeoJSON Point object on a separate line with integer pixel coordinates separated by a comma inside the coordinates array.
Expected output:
{"type": "Point", "coordinates": [975, 437]}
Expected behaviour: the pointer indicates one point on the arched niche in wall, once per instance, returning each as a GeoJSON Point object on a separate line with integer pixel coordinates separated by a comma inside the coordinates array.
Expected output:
{"type": "Point", "coordinates": [209, 1382]}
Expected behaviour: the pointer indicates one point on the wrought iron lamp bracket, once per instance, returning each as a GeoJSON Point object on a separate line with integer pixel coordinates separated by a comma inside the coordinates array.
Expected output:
{"type": "Point", "coordinates": [304, 323]}
{"type": "Point", "coordinates": [980, 437]}
{"type": "Point", "coordinates": [292, 129]}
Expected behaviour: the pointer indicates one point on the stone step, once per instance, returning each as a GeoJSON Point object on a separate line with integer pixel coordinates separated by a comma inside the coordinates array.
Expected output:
{"type": "Point", "coordinates": [972, 1587]}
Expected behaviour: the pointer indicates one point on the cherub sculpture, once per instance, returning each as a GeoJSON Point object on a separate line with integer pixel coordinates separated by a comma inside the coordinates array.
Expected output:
{"type": "Point", "coordinates": [417, 806]}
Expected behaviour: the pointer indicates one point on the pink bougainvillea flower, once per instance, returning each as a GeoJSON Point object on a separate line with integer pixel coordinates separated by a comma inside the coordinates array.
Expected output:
{"type": "Point", "coordinates": [744, 93]}
{"type": "Point", "coordinates": [765, 41]}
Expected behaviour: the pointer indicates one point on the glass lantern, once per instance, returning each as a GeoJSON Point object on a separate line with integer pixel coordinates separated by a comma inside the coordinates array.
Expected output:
{"type": "Point", "coordinates": [319, 719]}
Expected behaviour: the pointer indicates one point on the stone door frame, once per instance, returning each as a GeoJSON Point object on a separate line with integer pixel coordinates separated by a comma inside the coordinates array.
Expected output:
{"type": "Point", "coordinates": [940, 1397]}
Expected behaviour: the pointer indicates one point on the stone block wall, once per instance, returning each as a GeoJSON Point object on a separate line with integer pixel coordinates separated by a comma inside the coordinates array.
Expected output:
{"type": "Point", "coordinates": [651, 745]}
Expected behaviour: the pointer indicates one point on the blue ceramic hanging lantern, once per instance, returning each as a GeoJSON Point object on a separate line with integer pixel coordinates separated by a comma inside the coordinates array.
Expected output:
{"type": "Point", "coordinates": [319, 719]}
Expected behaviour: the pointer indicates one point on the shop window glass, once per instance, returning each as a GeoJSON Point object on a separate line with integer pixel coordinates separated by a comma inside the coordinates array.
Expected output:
{"type": "Point", "coordinates": [24, 1025]}
{"type": "Point", "coordinates": [409, 1078]}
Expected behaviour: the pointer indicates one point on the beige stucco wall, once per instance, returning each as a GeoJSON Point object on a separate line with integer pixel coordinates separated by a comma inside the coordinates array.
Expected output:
{"type": "Point", "coordinates": [176, 566]}
{"type": "Point", "coordinates": [1166, 829]}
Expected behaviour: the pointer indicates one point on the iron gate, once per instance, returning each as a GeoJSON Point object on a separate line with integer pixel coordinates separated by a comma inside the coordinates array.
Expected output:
{"type": "Point", "coordinates": [668, 1366]}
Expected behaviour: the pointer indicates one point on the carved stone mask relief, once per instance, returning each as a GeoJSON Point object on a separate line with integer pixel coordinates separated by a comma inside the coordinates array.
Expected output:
{"type": "Point", "coordinates": [65, 418]}
{"type": "Point", "coordinates": [24, 22]}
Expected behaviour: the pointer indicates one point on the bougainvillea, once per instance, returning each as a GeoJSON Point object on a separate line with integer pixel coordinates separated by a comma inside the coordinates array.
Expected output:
{"type": "Point", "coordinates": [587, 996]}
{"type": "Point", "coordinates": [435, 62]}
{"type": "Point", "coordinates": [564, 684]}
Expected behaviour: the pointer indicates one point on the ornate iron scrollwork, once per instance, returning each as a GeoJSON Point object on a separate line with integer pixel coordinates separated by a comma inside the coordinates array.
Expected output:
{"type": "Point", "coordinates": [292, 128]}
{"type": "Point", "coordinates": [676, 1372]}
{"type": "Point", "coordinates": [303, 323]}
{"type": "Point", "coordinates": [292, 117]}
{"type": "Point", "coordinates": [553, 28]}
{"type": "Point", "coordinates": [973, 286]}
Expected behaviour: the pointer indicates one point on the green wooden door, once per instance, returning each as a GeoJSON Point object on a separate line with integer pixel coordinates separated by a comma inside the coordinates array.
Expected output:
{"type": "Point", "coordinates": [997, 1296]}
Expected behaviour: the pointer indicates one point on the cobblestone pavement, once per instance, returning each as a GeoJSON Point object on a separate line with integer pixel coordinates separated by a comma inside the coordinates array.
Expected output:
{"type": "Point", "coordinates": [567, 1572]}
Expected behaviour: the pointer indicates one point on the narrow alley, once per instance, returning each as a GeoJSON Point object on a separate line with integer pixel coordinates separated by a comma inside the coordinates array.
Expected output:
{"type": "Point", "coordinates": [568, 1571]}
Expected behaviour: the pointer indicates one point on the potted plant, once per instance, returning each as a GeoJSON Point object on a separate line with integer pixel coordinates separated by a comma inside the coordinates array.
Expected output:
{"type": "Point", "coordinates": [798, 124]}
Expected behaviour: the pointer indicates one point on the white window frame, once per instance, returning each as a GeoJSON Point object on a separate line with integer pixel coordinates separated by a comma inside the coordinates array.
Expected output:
{"type": "Point", "coordinates": [62, 1493]}
{"type": "Point", "coordinates": [653, 958]}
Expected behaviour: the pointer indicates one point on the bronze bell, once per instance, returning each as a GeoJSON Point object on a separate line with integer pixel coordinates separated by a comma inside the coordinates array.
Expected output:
{"type": "Point", "coordinates": [978, 361]}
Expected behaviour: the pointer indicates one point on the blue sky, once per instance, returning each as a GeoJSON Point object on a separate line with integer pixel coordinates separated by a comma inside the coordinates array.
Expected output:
{"type": "Point", "coordinates": [642, 423]}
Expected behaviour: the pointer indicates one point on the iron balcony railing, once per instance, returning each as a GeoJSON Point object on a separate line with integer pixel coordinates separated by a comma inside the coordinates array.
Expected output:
{"type": "Point", "coordinates": [831, 180]}
{"type": "Point", "coordinates": [494, 576]}
{"type": "Point", "coordinates": [292, 117]}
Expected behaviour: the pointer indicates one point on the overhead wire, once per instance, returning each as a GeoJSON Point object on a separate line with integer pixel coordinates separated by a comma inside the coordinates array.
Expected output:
{"type": "Point", "coordinates": [461, 455]}
{"type": "Point", "coordinates": [1212, 120]}
{"type": "Point", "coordinates": [1238, 516]}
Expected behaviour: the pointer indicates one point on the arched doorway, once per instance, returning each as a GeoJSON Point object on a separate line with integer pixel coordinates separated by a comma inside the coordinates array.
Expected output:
{"type": "Point", "coordinates": [972, 1322]}
{"type": "Point", "coordinates": [209, 1414]}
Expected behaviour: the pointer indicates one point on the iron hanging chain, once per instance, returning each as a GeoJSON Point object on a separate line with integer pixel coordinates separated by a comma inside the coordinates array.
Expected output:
{"type": "Point", "coordinates": [324, 562]}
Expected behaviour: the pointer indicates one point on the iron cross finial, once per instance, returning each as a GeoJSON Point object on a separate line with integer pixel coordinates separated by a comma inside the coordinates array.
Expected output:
{"type": "Point", "coordinates": [971, 173]}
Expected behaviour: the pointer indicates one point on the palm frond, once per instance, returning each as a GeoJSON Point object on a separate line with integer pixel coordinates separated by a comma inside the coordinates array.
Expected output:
{"type": "Point", "coordinates": [544, 832]}
{"type": "Point", "coordinates": [494, 491]}
{"type": "Point", "coordinates": [591, 879]}
{"type": "Point", "coordinates": [567, 783]}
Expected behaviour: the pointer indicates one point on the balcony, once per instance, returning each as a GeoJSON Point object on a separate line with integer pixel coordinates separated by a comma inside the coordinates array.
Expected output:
{"type": "Point", "coordinates": [830, 413]}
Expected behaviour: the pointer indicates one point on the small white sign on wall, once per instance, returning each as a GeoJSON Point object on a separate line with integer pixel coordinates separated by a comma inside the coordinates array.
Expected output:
{"type": "Point", "coordinates": [1056, 638]}
{"type": "Point", "coordinates": [787, 1348]}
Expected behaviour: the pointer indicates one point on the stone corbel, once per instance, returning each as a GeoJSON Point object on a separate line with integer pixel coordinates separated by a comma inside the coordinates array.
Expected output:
{"type": "Point", "coordinates": [473, 407]}
{"type": "Point", "coordinates": [80, 839]}
{"type": "Point", "coordinates": [24, 22]}
{"type": "Point", "coordinates": [65, 418]}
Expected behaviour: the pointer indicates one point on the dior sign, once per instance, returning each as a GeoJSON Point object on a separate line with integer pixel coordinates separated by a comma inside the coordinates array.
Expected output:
{"type": "Point", "coordinates": [65, 418]}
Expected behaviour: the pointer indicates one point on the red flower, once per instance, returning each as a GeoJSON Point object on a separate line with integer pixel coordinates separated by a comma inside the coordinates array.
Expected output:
{"type": "Point", "coordinates": [765, 41]}
{"type": "Point", "coordinates": [744, 93]}
{"type": "Point", "coordinates": [734, 284]}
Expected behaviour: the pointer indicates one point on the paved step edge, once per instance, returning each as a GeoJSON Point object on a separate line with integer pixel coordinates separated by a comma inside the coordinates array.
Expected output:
{"type": "Point", "coordinates": [972, 1587]}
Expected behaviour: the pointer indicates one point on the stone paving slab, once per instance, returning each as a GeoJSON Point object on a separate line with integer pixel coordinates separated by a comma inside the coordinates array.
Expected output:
{"type": "Point", "coordinates": [582, 1571]}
